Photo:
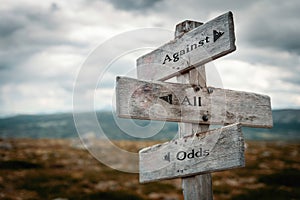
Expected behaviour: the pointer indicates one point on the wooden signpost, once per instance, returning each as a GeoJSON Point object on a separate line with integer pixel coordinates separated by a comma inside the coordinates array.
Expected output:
{"type": "Point", "coordinates": [196, 47]}
{"type": "Point", "coordinates": [192, 155]}
{"type": "Point", "coordinates": [187, 103]}
{"type": "Point", "coordinates": [198, 151]}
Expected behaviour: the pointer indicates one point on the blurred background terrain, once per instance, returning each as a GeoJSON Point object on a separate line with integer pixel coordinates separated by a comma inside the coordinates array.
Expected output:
{"type": "Point", "coordinates": [41, 157]}
{"type": "Point", "coordinates": [286, 127]}
{"type": "Point", "coordinates": [58, 169]}
{"type": "Point", "coordinates": [43, 48]}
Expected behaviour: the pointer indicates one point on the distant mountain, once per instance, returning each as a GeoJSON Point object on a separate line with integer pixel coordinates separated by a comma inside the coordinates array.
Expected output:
{"type": "Point", "coordinates": [38, 126]}
{"type": "Point", "coordinates": [286, 127]}
{"type": "Point", "coordinates": [63, 126]}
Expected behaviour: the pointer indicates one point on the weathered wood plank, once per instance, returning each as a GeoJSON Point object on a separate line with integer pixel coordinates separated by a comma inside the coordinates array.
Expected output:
{"type": "Point", "coordinates": [198, 186]}
{"type": "Point", "coordinates": [214, 150]}
{"type": "Point", "coordinates": [205, 43]}
{"type": "Point", "coordinates": [190, 103]}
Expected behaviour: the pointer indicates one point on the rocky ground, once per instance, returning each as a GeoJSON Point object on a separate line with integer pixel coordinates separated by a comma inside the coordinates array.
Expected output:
{"type": "Point", "coordinates": [60, 169]}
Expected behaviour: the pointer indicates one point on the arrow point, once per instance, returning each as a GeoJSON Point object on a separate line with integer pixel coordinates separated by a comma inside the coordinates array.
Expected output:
{"type": "Point", "coordinates": [217, 34]}
{"type": "Point", "coordinates": [167, 157]}
{"type": "Point", "coordinates": [167, 98]}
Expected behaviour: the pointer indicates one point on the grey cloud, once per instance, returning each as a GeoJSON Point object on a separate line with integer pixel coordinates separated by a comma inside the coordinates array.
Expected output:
{"type": "Point", "coordinates": [34, 28]}
{"type": "Point", "coordinates": [274, 26]}
{"type": "Point", "coordinates": [283, 38]}
{"type": "Point", "coordinates": [263, 29]}
{"type": "Point", "coordinates": [54, 7]}
{"type": "Point", "coordinates": [134, 5]}
{"type": "Point", "coordinates": [8, 26]}
{"type": "Point", "coordinates": [25, 31]}
{"type": "Point", "coordinates": [214, 5]}
{"type": "Point", "coordinates": [23, 16]}
{"type": "Point", "coordinates": [268, 34]}
{"type": "Point", "coordinates": [293, 79]}
{"type": "Point", "coordinates": [270, 57]}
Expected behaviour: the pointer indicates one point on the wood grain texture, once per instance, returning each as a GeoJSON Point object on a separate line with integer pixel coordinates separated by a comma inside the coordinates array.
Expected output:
{"type": "Point", "coordinates": [144, 100]}
{"type": "Point", "coordinates": [197, 187]}
{"type": "Point", "coordinates": [200, 185]}
{"type": "Point", "coordinates": [211, 151]}
{"type": "Point", "coordinates": [202, 44]}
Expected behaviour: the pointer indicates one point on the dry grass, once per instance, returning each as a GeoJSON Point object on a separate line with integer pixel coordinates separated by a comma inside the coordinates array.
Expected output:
{"type": "Point", "coordinates": [49, 169]}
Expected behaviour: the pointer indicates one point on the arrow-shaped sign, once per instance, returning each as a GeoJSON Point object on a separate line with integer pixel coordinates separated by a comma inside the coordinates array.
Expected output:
{"type": "Point", "coordinates": [198, 46]}
{"type": "Point", "coordinates": [193, 155]}
{"type": "Point", "coordinates": [186, 103]}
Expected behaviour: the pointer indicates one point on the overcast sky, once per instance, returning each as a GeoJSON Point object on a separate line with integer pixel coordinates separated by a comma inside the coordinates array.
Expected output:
{"type": "Point", "coordinates": [44, 44]}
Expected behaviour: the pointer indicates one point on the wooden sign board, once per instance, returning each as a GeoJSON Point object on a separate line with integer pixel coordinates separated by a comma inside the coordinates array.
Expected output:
{"type": "Point", "coordinates": [197, 47]}
{"type": "Point", "coordinates": [189, 103]}
{"type": "Point", "coordinates": [215, 150]}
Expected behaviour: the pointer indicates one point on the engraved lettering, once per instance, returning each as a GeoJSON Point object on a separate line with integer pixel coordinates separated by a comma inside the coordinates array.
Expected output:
{"type": "Point", "coordinates": [201, 43]}
{"type": "Point", "coordinates": [167, 58]}
{"type": "Point", "coordinates": [187, 49]}
{"type": "Point", "coordinates": [193, 46]}
{"type": "Point", "coordinates": [182, 52]}
{"type": "Point", "coordinates": [195, 100]}
{"type": "Point", "coordinates": [207, 39]}
{"type": "Point", "coordinates": [199, 153]}
{"type": "Point", "coordinates": [191, 154]}
{"type": "Point", "coordinates": [190, 47]}
{"type": "Point", "coordinates": [206, 152]}
{"type": "Point", "coordinates": [182, 155]}
{"type": "Point", "coordinates": [186, 101]}
{"type": "Point", "coordinates": [175, 57]}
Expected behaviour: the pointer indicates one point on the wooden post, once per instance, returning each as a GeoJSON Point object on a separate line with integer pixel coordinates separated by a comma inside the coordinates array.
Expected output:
{"type": "Point", "coordinates": [196, 187]}
{"type": "Point", "coordinates": [142, 99]}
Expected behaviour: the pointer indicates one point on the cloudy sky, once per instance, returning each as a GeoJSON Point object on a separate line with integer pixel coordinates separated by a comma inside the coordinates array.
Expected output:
{"type": "Point", "coordinates": [45, 44]}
